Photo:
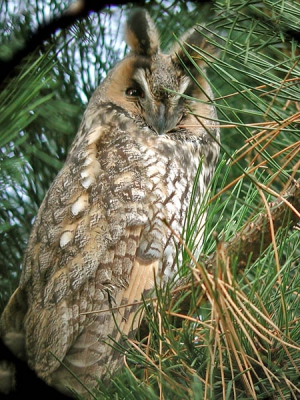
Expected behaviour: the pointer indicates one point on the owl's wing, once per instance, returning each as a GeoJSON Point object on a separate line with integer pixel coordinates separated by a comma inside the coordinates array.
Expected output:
{"type": "Point", "coordinates": [81, 263]}
{"type": "Point", "coordinates": [92, 356]}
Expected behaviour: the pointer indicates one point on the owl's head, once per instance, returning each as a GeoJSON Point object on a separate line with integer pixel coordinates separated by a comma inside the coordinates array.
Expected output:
{"type": "Point", "coordinates": [155, 87]}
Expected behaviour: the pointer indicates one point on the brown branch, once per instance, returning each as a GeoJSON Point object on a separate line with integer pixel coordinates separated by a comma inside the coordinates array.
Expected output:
{"type": "Point", "coordinates": [78, 10]}
{"type": "Point", "coordinates": [248, 244]}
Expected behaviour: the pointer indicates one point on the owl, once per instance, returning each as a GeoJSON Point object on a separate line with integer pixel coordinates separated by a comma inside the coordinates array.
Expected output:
{"type": "Point", "coordinates": [105, 230]}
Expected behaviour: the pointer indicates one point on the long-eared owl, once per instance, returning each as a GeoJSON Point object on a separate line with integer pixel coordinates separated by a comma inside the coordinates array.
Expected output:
{"type": "Point", "coordinates": [102, 234]}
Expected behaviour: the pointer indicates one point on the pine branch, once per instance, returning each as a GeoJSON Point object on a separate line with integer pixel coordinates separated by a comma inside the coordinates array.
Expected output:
{"type": "Point", "coordinates": [248, 244]}
{"type": "Point", "coordinates": [80, 9]}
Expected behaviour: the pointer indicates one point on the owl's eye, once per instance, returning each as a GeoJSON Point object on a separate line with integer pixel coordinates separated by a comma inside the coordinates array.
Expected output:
{"type": "Point", "coordinates": [134, 92]}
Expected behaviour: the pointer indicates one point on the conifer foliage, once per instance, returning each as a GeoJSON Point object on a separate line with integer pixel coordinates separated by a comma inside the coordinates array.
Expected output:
{"type": "Point", "coordinates": [229, 327]}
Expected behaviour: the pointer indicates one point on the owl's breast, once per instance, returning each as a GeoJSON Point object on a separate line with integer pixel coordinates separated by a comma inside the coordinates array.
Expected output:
{"type": "Point", "coordinates": [170, 168]}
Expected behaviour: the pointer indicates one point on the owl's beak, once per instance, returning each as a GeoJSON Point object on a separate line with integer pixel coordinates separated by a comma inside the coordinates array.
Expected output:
{"type": "Point", "coordinates": [160, 120]}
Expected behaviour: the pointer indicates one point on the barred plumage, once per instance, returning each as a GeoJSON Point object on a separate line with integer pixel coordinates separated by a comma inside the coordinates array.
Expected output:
{"type": "Point", "coordinates": [99, 236]}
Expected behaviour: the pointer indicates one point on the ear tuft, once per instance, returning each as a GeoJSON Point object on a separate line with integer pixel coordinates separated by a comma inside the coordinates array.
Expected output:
{"type": "Point", "coordinates": [141, 34]}
{"type": "Point", "coordinates": [190, 42]}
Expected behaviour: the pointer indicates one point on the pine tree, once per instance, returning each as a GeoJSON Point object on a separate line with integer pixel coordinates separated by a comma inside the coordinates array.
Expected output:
{"type": "Point", "coordinates": [229, 328]}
